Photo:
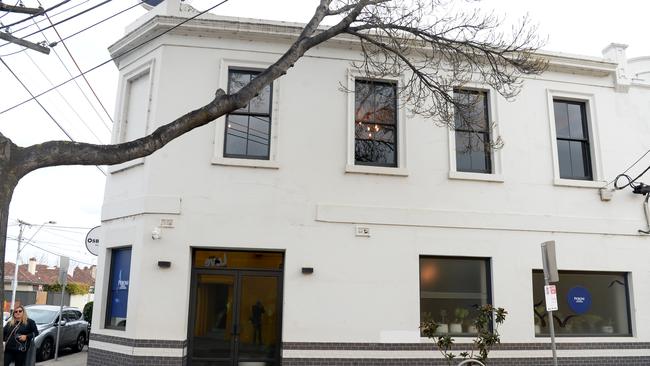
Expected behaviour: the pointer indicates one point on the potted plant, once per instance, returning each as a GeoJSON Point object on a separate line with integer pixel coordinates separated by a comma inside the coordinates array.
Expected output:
{"type": "Point", "coordinates": [459, 316]}
{"type": "Point", "coordinates": [443, 327]}
{"type": "Point", "coordinates": [538, 328]}
{"type": "Point", "coordinates": [609, 327]}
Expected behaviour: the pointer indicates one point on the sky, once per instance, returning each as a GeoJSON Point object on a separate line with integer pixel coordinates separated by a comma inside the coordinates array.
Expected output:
{"type": "Point", "coordinates": [72, 196]}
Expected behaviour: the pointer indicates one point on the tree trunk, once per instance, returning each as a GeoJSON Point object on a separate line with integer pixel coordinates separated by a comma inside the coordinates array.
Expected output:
{"type": "Point", "coordinates": [7, 185]}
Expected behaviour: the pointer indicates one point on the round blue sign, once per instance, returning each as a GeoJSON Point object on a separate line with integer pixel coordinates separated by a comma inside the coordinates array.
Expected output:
{"type": "Point", "coordinates": [579, 299]}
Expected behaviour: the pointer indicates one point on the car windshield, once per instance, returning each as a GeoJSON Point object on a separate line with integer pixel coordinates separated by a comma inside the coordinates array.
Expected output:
{"type": "Point", "coordinates": [42, 316]}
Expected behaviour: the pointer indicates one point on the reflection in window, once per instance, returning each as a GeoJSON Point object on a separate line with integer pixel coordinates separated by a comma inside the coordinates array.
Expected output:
{"type": "Point", "coordinates": [248, 129]}
{"type": "Point", "coordinates": [375, 121]}
{"type": "Point", "coordinates": [450, 290]}
{"type": "Point", "coordinates": [573, 150]}
{"type": "Point", "coordinates": [118, 291]}
{"type": "Point", "coordinates": [589, 304]}
{"type": "Point", "coordinates": [472, 132]}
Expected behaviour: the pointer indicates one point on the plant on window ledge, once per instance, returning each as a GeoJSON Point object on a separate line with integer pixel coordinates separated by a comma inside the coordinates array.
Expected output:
{"type": "Point", "coordinates": [487, 322]}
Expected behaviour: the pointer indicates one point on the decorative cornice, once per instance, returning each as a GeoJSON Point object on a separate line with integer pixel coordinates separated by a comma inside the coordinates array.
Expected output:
{"type": "Point", "coordinates": [272, 30]}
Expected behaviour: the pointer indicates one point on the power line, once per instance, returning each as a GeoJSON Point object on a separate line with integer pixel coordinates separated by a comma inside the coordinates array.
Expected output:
{"type": "Point", "coordinates": [78, 86]}
{"type": "Point", "coordinates": [113, 58]}
{"type": "Point", "coordinates": [48, 251]}
{"type": "Point", "coordinates": [628, 168]}
{"type": "Point", "coordinates": [66, 19]}
{"type": "Point", "coordinates": [42, 20]}
{"type": "Point", "coordinates": [64, 98]}
{"type": "Point", "coordinates": [35, 15]}
{"type": "Point", "coordinates": [42, 106]}
{"type": "Point", "coordinates": [5, 14]}
{"type": "Point", "coordinates": [13, 53]}
{"type": "Point", "coordinates": [79, 68]}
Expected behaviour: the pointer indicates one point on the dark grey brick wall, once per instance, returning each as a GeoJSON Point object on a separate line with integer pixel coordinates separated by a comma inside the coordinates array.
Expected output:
{"type": "Point", "coordinates": [569, 361]}
{"type": "Point", "coordinates": [98, 357]}
{"type": "Point", "coordinates": [430, 346]}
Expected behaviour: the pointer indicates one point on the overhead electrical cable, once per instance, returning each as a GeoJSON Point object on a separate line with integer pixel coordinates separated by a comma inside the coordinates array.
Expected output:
{"type": "Point", "coordinates": [626, 170]}
{"type": "Point", "coordinates": [5, 14]}
{"type": "Point", "coordinates": [113, 58]}
{"type": "Point", "coordinates": [42, 106]}
{"type": "Point", "coordinates": [79, 68]}
{"type": "Point", "coordinates": [35, 15]}
{"type": "Point", "coordinates": [65, 100]}
{"type": "Point", "coordinates": [83, 92]}
{"type": "Point", "coordinates": [102, 21]}
{"type": "Point", "coordinates": [13, 53]}
{"type": "Point", "coordinates": [64, 20]}
{"type": "Point", "coordinates": [42, 20]}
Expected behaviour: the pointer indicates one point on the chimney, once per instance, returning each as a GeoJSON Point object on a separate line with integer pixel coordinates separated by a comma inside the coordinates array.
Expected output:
{"type": "Point", "coordinates": [93, 271]}
{"type": "Point", "coordinates": [615, 52]}
{"type": "Point", "coordinates": [31, 268]}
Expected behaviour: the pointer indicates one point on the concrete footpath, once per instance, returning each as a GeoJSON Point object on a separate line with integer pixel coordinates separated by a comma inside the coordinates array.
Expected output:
{"type": "Point", "coordinates": [68, 359]}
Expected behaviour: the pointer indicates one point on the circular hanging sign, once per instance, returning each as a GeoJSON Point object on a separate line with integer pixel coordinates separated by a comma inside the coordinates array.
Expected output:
{"type": "Point", "coordinates": [92, 240]}
{"type": "Point", "coordinates": [579, 299]}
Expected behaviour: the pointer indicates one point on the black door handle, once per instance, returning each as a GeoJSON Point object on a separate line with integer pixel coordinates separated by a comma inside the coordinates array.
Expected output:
{"type": "Point", "coordinates": [234, 330]}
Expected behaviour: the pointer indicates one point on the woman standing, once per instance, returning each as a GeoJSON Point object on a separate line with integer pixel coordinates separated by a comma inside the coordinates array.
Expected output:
{"type": "Point", "coordinates": [18, 333]}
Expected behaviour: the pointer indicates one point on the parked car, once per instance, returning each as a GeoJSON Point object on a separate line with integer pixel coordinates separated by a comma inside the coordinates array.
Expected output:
{"type": "Point", "coordinates": [73, 334]}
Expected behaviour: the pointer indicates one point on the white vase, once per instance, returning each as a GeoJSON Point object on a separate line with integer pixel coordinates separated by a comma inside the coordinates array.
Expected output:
{"type": "Point", "coordinates": [538, 329]}
{"type": "Point", "coordinates": [607, 329]}
{"type": "Point", "coordinates": [472, 329]}
{"type": "Point", "coordinates": [455, 328]}
{"type": "Point", "coordinates": [442, 328]}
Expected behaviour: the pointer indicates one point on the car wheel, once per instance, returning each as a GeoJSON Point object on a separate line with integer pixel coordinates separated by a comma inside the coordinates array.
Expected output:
{"type": "Point", "coordinates": [81, 341]}
{"type": "Point", "coordinates": [45, 352]}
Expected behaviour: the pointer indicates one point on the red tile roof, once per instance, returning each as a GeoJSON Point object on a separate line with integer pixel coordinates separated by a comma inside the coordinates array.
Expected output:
{"type": "Point", "coordinates": [45, 275]}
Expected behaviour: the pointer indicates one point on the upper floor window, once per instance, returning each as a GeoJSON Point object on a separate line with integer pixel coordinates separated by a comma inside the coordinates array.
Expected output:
{"type": "Point", "coordinates": [375, 118]}
{"type": "Point", "coordinates": [472, 132]}
{"type": "Point", "coordinates": [571, 130]}
{"type": "Point", "coordinates": [248, 129]}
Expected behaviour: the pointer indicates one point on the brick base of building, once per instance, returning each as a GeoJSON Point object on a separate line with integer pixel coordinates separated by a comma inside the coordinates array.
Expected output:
{"type": "Point", "coordinates": [116, 351]}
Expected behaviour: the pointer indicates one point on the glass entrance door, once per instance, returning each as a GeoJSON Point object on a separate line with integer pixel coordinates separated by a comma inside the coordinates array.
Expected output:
{"type": "Point", "coordinates": [235, 317]}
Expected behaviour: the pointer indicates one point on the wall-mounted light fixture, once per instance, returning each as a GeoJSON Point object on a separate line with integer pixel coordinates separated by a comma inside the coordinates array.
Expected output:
{"type": "Point", "coordinates": [156, 233]}
{"type": "Point", "coordinates": [164, 264]}
{"type": "Point", "coordinates": [307, 270]}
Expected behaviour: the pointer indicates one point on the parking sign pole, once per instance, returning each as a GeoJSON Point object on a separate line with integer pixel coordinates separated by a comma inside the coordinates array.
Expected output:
{"type": "Point", "coordinates": [550, 274]}
{"type": "Point", "coordinates": [64, 262]}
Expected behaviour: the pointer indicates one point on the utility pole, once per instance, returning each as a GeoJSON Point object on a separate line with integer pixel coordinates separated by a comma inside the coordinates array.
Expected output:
{"type": "Point", "coordinates": [19, 41]}
{"type": "Point", "coordinates": [14, 284]}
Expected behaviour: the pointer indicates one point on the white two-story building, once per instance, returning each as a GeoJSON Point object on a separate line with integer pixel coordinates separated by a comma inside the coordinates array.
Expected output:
{"type": "Point", "coordinates": [309, 228]}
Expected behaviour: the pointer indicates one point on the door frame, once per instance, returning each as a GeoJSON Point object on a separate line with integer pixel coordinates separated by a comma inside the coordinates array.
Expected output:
{"type": "Point", "coordinates": [237, 273]}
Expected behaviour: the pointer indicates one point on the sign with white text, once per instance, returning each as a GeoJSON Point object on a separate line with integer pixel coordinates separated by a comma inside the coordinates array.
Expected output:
{"type": "Point", "coordinates": [550, 295]}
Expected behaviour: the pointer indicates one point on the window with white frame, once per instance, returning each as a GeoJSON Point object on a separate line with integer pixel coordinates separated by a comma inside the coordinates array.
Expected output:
{"type": "Point", "coordinates": [134, 122]}
{"type": "Point", "coordinates": [375, 120]}
{"type": "Point", "coordinates": [248, 129]}
{"type": "Point", "coordinates": [572, 138]}
{"type": "Point", "coordinates": [472, 135]}
{"type": "Point", "coordinates": [451, 290]}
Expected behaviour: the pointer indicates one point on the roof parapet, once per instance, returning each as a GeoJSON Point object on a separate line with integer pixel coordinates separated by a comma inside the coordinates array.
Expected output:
{"type": "Point", "coordinates": [616, 52]}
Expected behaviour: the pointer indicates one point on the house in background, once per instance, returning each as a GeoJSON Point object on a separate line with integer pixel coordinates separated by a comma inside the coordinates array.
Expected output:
{"type": "Point", "coordinates": [33, 279]}
{"type": "Point", "coordinates": [319, 227]}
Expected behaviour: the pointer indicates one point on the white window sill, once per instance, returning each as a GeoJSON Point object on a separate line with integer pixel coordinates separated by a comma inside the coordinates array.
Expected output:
{"type": "Point", "coordinates": [496, 178]}
{"type": "Point", "coordinates": [250, 163]}
{"type": "Point", "coordinates": [124, 166]}
{"type": "Point", "coordinates": [379, 170]}
{"type": "Point", "coordinates": [579, 183]}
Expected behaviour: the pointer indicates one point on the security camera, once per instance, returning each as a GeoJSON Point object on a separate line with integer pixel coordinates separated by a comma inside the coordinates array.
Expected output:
{"type": "Point", "coordinates": [155, 233]}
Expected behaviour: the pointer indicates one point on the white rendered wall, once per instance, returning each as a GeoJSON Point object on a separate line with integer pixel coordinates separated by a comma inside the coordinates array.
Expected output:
{"type": "Point", "coordinates": [365, 289]}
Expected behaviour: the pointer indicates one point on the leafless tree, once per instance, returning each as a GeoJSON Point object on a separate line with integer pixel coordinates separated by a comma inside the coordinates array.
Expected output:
{"type": "Point", "coordinates": [432, 44]}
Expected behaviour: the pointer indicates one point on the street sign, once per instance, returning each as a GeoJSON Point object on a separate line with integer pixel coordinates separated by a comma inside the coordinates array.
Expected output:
{"type": "Point", "coordinates": [92, 240]}
{"type": "Point", "coordinates": [549, 262]}
{"type": "Point", "coordinates": [64, 264]}
{"type": "Point", "coordinates": [550, 295]}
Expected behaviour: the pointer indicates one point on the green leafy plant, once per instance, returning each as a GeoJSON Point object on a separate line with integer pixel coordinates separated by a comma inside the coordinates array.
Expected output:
{"type": "Point", "coordinates": [71, 288]}
{"type": "Point", "coordinates": [487, 322]}
{"type": "Point", "coordinates": [88, 312]}
{"type": "Point", "coordinates": [460, 314]}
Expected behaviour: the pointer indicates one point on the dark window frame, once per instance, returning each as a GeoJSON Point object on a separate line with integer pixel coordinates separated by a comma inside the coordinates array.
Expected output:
{"type": "Point", "coordinates": [488, 287]}
{"type": "Point", "coordinates": [584, 142]}
{"type": "Point", "coordinates": [487, 133]}
{"type": "Point", "coordinates": [107, 320]}
{"type": "Point", "coordinates": [395, 125]}
{"type": "Point", "coordinates": [269, 115]}
{"type": "Point", "coordinates": [626, 276]}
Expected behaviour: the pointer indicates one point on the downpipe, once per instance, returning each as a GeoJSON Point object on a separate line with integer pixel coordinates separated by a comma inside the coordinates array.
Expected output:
{"type": "Point", "coordinates": [645, 212]}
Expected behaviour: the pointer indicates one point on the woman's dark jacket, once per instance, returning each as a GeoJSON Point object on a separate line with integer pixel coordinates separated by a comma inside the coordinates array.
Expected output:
{"type": "Point", "coordinates": [29, 329]}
